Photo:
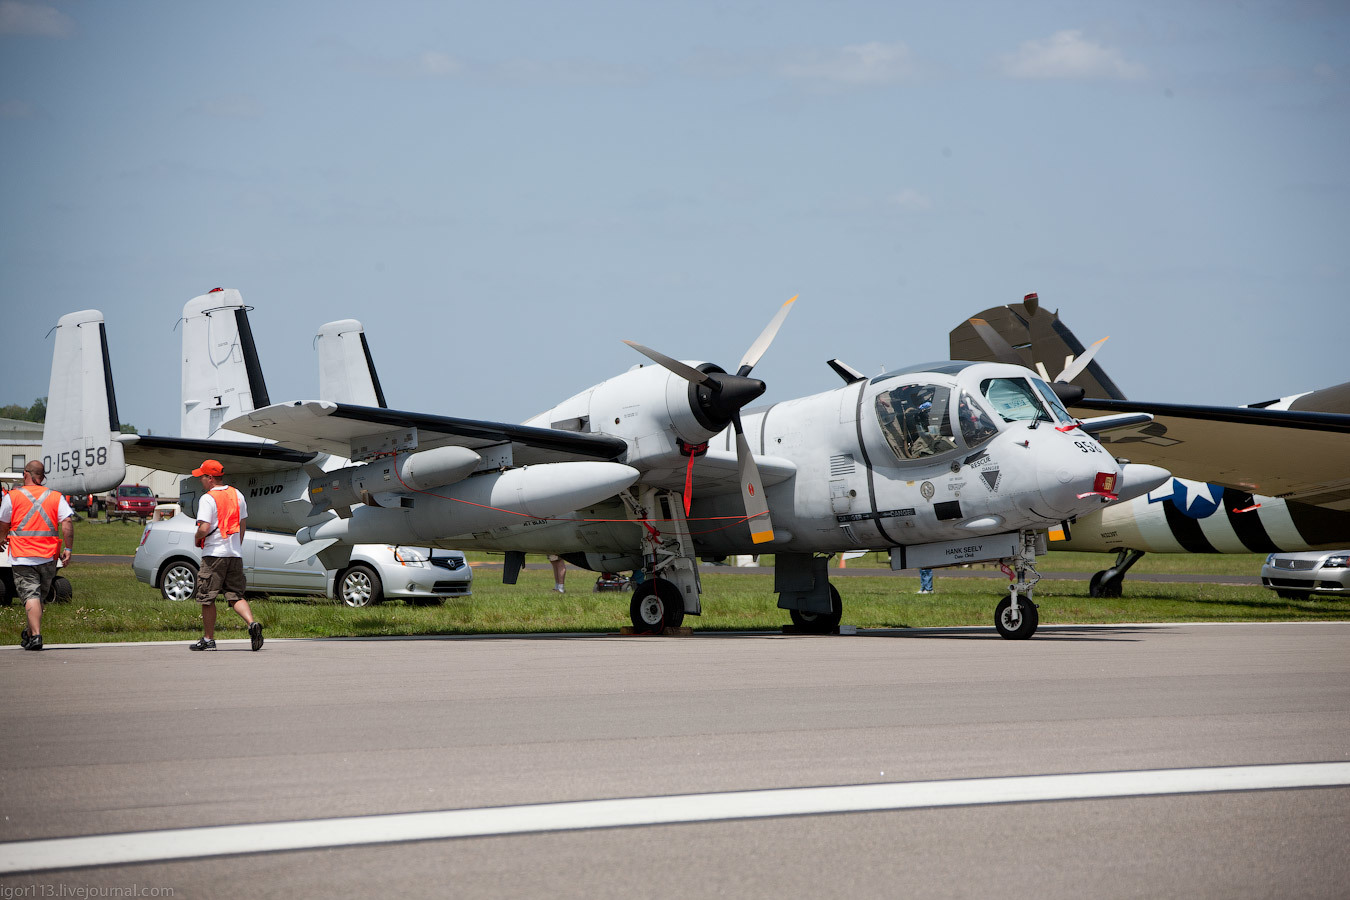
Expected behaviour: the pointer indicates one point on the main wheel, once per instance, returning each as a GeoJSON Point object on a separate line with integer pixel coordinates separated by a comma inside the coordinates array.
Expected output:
{"type": "Point", "coordinates": [820, 623]}
{"type": "Point", "coordinates": [61, 591]}
{"type": "Point", "coordinates": [360, 586]}
{"type": "Point", "coordinates": [656, 605]}
{"type": "Point", "coordinates": [178, 581]}
{"type": "Point", "coordinates": [1016, 626]}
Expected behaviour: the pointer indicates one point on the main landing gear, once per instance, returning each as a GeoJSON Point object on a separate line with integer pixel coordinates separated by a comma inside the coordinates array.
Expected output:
{"type": "Point", "coordinates": [1016, 617]}
{"type": "Point", "coordinates": [1109, 582]}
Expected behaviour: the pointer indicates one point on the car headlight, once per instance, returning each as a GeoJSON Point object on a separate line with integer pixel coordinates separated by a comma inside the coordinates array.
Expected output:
{"type": "Point", "coordinates": [1337, 562]}
{"type": "Point", "coordinates": [1270, 559]}
{"type": "Point", "coordinates": [408, 556]}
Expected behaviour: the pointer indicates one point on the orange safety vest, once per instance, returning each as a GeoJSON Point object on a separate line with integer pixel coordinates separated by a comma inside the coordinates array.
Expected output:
{"type": "Point", "coordinates": [227, 510]}
{"type": "Point", "coordinates": [33, 526]}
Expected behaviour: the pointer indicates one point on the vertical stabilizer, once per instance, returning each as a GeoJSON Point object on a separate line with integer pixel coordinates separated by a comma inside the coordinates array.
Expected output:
{"type": "Point", "coordinates": [346, 370]}
{"type": "Point", "coordinates": [222, 378]}
{"type": "Point", "coordinates": [79, 446]}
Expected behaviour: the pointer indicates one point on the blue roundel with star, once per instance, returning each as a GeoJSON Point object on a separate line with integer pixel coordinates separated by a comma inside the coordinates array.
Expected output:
{"type": "Point", "coordinates": [1193, 498]}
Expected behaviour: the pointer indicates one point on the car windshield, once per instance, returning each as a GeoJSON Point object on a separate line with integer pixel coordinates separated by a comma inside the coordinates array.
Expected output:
{"type": "Point", "coordinates": [1014, 400]}
{"type": "Point", "coordinates": [139, 490]}
{"type": "Point", "coordinates": [916, 420]}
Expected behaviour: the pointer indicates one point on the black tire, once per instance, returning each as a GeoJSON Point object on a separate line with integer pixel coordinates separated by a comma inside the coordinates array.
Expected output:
{"type": "Point", "coordinates": [656, 606]}
{"type": "Point", "coordinates": [820, 623]}
{"type": "Point", "coordinates": [62, 591]}
{"type": "Point", "coordinates": [360, 586]}
{"type": "Point", "coordinates": [1021, 627]}
{"type": "Point", "coordinates": [1100, 586]}
{"type": "Point", "coordinates": [178, 580]}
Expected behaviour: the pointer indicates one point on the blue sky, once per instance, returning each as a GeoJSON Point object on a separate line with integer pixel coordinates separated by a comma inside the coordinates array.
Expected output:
{"type": "Point", "coordinates": [503, 192]}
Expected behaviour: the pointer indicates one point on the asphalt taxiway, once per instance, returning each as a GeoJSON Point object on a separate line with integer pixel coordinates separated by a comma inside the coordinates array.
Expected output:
{"type": "Point", "coordinates": [345, 737]}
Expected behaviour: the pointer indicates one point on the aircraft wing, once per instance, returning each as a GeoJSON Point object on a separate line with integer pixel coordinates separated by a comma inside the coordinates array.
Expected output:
{"type": "Point", "coordinates": [1279, 453]}
{"type": "Point", "coordinates": [717, 472]}
{"type": "Point", "coordinates": [172, 454]}
{"type": "Point", "coordinates": [353, 432]}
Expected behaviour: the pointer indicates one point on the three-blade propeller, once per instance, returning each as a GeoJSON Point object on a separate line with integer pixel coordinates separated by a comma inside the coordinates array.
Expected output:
{"type": "Point", "coordinates": [720, 397]}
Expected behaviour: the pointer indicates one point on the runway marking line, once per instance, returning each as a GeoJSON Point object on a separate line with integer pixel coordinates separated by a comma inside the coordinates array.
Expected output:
{"type": "Point", "coordinates": [231, 840]}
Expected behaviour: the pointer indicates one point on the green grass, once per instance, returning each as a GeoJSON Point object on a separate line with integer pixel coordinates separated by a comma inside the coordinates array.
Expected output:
{"type": "Point", "coordinates": [98, 538]}
{"type": "Point", "coordinates": [110, 605]}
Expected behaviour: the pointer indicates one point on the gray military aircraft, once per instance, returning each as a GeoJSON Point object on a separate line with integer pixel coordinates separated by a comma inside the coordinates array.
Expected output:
{"type": "Point", "coordinates": [938, 464]}
{"type": "Point", "coordinates": [1237, 488]}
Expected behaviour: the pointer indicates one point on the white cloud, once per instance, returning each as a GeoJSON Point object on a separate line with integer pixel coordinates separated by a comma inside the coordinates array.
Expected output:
{"type": "Point", "coordinates": [32, 18]}
{"type": "Point", "coordinates": [910, 200]}
{"type": "Point", "coordinates": [435, 64]}
{"type": "Point", "coordinates": [1068, 55]}
{"type": "Point", "coordinates": [855, 65]}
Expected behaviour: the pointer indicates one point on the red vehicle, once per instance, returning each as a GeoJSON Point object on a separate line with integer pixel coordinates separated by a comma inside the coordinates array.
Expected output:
{"type": "Point", "coordinates": [129, 501]}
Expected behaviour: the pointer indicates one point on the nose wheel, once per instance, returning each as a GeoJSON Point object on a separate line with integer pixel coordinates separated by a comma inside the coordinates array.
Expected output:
{"type": "Point", "coordinates": [1016, 624]}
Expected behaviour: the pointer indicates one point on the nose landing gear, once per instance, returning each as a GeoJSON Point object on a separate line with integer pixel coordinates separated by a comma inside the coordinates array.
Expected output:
{"type": "Point", "coordinates": [1016, 616]}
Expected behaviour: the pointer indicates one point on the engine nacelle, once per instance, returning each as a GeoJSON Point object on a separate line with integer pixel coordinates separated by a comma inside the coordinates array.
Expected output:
{"type": "Point", "coordinates": [418, 471]}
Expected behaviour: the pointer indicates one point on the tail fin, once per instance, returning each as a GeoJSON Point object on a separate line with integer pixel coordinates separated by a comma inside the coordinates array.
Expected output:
{"type": "Point", "coordinates": [222, 378]}
{"type": "Point", "coordinates": [346, 371]}
{"type": "Point", "coordinates": [1031, 335]}
{"type": "Point", "coordinates": [79, 446]}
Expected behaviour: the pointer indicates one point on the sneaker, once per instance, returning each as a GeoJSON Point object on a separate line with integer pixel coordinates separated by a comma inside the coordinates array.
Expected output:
{"type": "Point", "coordinates": [558, 588]}
{"type": "Point", "coordinates": [203, 644]}
{"type": "Point", "coordinates": [925, 592]}
{"type": "Point", "coordinates": [34, 643]}
{"type": "Point", "coordinates": [24, 638]}
{"type": "Point", "coordinates": [255, 635]}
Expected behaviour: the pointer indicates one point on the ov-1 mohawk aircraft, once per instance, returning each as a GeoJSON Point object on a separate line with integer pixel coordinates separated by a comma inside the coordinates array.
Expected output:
{"type": "Point", "coordinates": [1270, 477]}
{"type": "Point", "coordinates": [939, 464]}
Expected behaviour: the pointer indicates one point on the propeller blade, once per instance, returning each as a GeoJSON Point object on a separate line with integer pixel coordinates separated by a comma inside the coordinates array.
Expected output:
{"type": "Point", "coordinates": [752, 490]}
{"type": "Point", "coordinates": [688, 373]}
{"type": "Point", "coordinates": [765, 338]}
{"type": "Point", "coordinates": [1073, 369]}
{"type": "Point", "coordinates": [1001, 349]}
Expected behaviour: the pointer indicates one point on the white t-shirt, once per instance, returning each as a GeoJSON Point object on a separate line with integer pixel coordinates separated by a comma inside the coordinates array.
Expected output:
{"type": "Point", "coordinates": [63, 512]}
{"type": "Point", "coordinates": [215, 544]}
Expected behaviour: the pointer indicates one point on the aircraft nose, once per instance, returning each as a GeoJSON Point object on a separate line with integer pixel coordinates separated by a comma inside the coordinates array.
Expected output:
{"type": "Point", "coordinates": [1067, 471]}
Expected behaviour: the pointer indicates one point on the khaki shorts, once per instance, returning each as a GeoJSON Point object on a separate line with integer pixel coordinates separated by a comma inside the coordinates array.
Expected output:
{"type": "Point", "coordinates": [34, 582]}
{"type": "Point", "coordinates": [220, 574]}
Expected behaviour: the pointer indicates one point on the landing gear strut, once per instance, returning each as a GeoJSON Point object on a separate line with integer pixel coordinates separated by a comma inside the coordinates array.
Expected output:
{"type": "Point", "coordinates": [1016, 617]}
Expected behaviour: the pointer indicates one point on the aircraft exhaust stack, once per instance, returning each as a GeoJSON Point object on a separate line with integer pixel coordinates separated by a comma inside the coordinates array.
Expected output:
{"type": "Point", "coordinates": [418, 471]}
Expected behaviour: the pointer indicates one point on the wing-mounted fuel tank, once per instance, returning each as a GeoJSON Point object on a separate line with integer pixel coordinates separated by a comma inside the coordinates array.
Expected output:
{"type": "Point", "coordinates": [404, 473]}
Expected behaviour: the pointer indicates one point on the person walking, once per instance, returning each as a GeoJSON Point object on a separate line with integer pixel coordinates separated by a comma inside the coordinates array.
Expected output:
{"type": "Point", "coordinates": [925, 581]}
{"type": "Point", "coordinates": [222, 518]}
{"type": "Point", "coordinates": [559, 571]}
{"type": "Point", "coordinates": [37, 527]}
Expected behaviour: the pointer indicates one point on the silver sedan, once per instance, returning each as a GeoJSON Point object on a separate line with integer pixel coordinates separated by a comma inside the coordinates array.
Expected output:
{"type": "Point", "coordinates": [1297, 575]}
{"type": "Point", "coordinates": [168, 559]}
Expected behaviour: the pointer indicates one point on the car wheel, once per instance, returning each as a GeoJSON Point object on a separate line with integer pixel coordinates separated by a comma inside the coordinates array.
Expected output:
{"type": "Point", "coordinates": [178, 580]}
{"type": "Point", "coordinates": [61, 591]}
{"type": "Point", "coordinates": [360, 586]}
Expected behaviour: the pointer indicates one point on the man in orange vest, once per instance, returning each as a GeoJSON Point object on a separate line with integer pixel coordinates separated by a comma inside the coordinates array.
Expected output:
{"type": "Point", "coordinates": [222, 517]}
{"type": "Point", "coordinates": [37, 528]}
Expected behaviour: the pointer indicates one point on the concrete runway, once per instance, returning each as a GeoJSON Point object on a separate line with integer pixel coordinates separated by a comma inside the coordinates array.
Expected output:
{"type": "Point", "coordinates": [110, 739]}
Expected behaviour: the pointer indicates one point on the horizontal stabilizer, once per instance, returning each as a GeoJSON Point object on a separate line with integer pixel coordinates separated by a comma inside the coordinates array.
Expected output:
{"type": "Point", "coordinates": [182, 455]}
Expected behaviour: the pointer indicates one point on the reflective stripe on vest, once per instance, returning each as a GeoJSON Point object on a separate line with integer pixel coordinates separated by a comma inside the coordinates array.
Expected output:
{"type": "Point", "coordinates": [227, 510]}
{"type": "Point", "coordinates": [36, 535]}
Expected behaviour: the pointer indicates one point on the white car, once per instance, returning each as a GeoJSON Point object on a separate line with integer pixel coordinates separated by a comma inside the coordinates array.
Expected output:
{"type": "Point", "coordinates": [1299, 575]}
{"type": "Point", "coordinates": [168, 559]}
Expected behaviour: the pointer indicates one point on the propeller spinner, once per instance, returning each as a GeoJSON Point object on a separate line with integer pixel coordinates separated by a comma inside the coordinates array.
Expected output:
{"type": "Point", "coordinates": [718, 398]}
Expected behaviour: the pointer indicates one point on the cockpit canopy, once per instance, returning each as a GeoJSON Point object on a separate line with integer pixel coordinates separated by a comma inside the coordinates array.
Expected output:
{"type": "Point", "coordinates": [923, 419]}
